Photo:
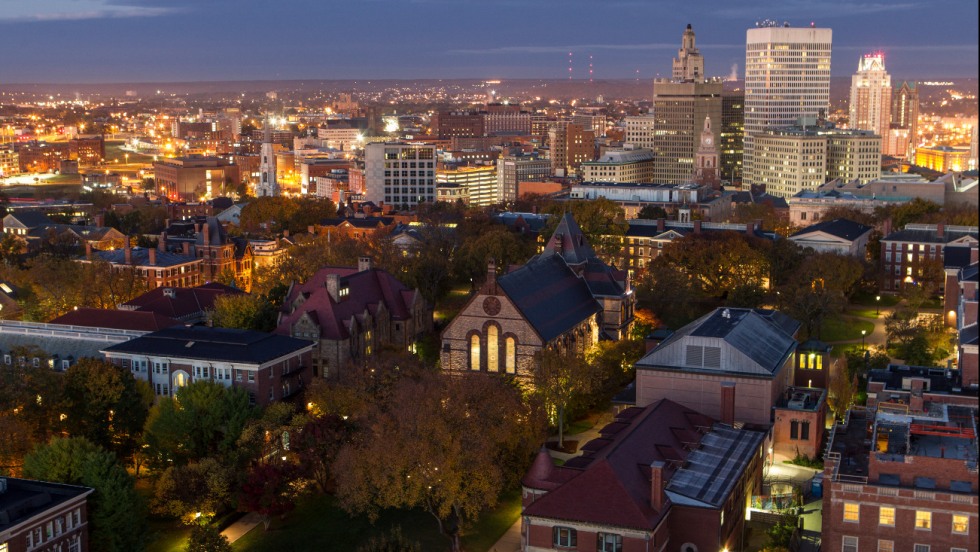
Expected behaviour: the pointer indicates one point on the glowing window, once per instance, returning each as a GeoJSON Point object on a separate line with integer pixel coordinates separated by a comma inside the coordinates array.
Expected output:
{"type": "Point", "coordinates": [886, 516]}
{"type": "Point", "coordinates": [961, 524]}
{"type": "Point", "coordinates": [852, 511]}
{"type": "Point", "coordinates": [492, 346]}
{"type": "Point", "coordinates": [475, 352]}
{"type": "Point", "coordinates": [923, 520]}
{"type": "Point", "coordinates": [510, 352]}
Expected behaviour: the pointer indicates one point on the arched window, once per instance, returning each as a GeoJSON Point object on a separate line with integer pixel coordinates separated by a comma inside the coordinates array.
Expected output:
{"type": "Point", "coordinates": [474, 352]}
{"type": "Point", "coordinates": [493, 343]}
{"type": "Point", "coordinates": [510, 352]}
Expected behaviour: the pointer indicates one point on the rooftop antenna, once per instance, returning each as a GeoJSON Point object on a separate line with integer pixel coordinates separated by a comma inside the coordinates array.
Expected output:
{"type": "Point", "coordinates": [590, 68]}
{"type": "Point", "coordinates": [569, 66]}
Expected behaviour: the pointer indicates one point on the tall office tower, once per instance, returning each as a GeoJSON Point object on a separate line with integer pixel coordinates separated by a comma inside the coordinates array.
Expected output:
{"type": "Point", "coordinates": [466, 124]}
{"type": "Point", "coordinates": [400, 174]}
{"type": "Point", "coordinates": [871, 95]}
{"type": "Point", "coordinates": [570, 146]}
{"type": "Point", "coordinates": [639, 130]}
{"type": "Point", "coordinates": [513, 169]}
{"type": "Point", "coordinates": [787, 76]}
{"type": "Point", "coordinates": [905, 114]}
{"type": "Point", "coordinates": [505, 119]}
{"type": "Point", "coordinates": [268, 184]}
{"type": "Point", "coordinates": [732, 135]}
{"type": "Point", "coordinates": [680, 106]}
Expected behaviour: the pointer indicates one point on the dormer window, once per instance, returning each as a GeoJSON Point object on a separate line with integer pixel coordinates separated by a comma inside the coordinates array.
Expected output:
{"type": "Point", "coordinates": [344, 292]}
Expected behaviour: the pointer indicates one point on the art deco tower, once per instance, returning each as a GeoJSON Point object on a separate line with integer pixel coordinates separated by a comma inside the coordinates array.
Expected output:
{"type": "Point", "coordinates": [871, 95]}
{"type": "Point", "coordinates": [267, 186]}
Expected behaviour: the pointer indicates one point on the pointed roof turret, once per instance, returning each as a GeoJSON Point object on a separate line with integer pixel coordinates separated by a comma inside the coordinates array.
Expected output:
{"type": "Point", "coordinates": [537, 476]}
{"type": "Point", "coordinates": [568, 242]}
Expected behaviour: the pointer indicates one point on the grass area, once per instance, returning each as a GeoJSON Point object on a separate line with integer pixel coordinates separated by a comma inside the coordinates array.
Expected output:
{"type": "Point", "coordinates": [578, 426]}
{"type": "Point", "coordinates": [318, 523]}
{"type": "Point", "coordinates": [114, 151]}
{"type": "Point", "coordinates": [869, 300]}
{"type": "Point", "coordinates": [844, 329]}
{"type": "Point", "coordinates": [872, 314]}
{"type": "Point", "coordinates": [167, 536]}
{"type": "Point", "coordinates": [64, 179]}
{"type": "Point", "coordinates": [934, 303]}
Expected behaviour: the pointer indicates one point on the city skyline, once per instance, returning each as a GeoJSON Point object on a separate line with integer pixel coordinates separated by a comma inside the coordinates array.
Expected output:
{"type": "Point", "coordinates": [96, 41]}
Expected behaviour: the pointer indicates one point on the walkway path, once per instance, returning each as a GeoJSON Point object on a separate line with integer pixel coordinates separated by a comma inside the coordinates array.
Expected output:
{"type": "Point", "coordinates": [238, 529]}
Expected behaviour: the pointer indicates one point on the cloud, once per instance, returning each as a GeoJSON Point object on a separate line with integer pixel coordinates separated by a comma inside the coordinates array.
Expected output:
{"type": "Point", "coordinates": [808, 9]}
{"type": "Point", "coordinates": [77, 10]}
{"type": "Point", "coordinates": [528, 49]}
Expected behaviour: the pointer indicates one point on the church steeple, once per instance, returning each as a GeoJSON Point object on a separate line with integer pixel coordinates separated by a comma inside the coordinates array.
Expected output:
{"type": "Point", "coordinates": [268, 185]}
{"type": "Point", "coordinates": [706, 158]}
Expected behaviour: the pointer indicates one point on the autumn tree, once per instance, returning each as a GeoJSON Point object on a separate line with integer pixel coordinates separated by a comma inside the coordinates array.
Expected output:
{"type": "Point", "coordinates": [29, 405]}
{"type": "Point", "coordinates": [602, 221]}
{"type": "Point", "coordinates": [716, 262]}
{"type": "Point", "coordinates": [207, 538]}
{"type": "Point", "coordinates": [560, 377]}
{"type": "Point", "coordinates": [116, 512]}
{"type": "Point", "coordinates": [104, 404]}
{"type": "Point", "coordinates": [841, 389]}
{"type": "Point", "coordinates": [245, 311]}
{"type": "Point", "coordinates": [443, 444]}
{"type": "Point", "coordinates": [820, 288]}
{"type": "Point", "coordinates": [268, 491]}
{"type": "Point", "coordinates": [316, 446]}
{"type": "Point", "coordinates": [198, 489]}
{"type": "Point", "coordinates": [497, 243]}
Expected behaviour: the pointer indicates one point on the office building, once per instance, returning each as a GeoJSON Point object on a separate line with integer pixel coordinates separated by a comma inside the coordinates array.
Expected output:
{"type": "Point", "coordinates": [905, 115]}
{"type": "Point", "coordinates": [871, 95]}
{"type": "Point", "coordinates": [571, 145]}
{"type": "Point", "coordinates": [787, 76]}
{"type": "Point", "coordinates": [193, 177]}
{"type": "Point", "coordinates": [268, 180]}
{"type": "Point", "coordinates": [400, 174]}
{"type": "Point", "coordinates": [943, 158]}
{"type": "Point", "coordinates": [477, 184]}
{"type": "Point", "coordinates": [516, 168]}
{"type": "Point", "coordinates": [732, 136]}
{"type": "Point", "coordinates": [37, 515]}
{"type": "Point", "coordinates": [620, 166]}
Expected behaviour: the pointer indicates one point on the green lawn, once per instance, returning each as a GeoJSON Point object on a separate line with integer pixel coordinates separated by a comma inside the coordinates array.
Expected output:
{"type": "Point", "coordinates": [844, 329]}
{"type": "Point", "coordinates": [869, 300]}
{"type": "Point", "coordinates": [872, 314]}
{"type": "Point", "coordinates": [114, 151]}
{"type": "Point", "coordinates": [167, 536]}
{"type": "Point", "coordinates": [318, 523]}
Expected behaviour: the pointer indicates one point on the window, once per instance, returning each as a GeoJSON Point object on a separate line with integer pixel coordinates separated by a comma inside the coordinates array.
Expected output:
{"type": "Point", "coordinates": [794, 433]}
{"type": "Point", "coordinates": [510, 355]}
{"type": "Point", "coordinates": [886, 516]}
{"type": "Point", "coordinates": [961, 524]}
{"type": "Point", "coordinates": [609, 542]}
{"type": "Point", "coordinates": [492, 345]}
{"type": "Point", "coordinates": [849, 544]}
{"type": "Point", "coordinates": [804, 430]}
{"type": "Point", "coordinates": [564, 537]}
{"type": "Point", "coordinates": [75, 544]}
{"type": "Point", "coordinates": [474, 352]}
{"type": "Point", "coordinates": [923, 520]}
{"type": "Point", "coordinates": [920, 548]}
{"type": "Point", "coordinates": [886, 546]}
{"type": "Point", "coordinates": [852, 511]}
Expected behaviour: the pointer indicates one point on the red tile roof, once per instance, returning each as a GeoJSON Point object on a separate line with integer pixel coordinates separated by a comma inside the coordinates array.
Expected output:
{"type": "Point", "coordinates": [117, 319]}
{"type": "Point", "coordinates": [184, 302]}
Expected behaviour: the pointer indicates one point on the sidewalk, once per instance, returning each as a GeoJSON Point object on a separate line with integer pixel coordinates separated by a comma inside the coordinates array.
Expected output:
{"type": "Point", "coordinates": [238, 529]}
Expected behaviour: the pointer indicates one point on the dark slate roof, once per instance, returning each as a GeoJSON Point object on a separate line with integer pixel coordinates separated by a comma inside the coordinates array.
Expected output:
{"type": "Point", "coordinates": [940, 379]}
{"type": "Point", "coordinates": [357, 222]}
{"type": "Point", "coordinates": [141, 257]}
{"type": "Point", "coordinates": [180, 303]}
{"type": "Point", "coordinates": [763, 198]}
{"type": "Point", "coordinates": [213, 344]}
{"type": "Point", "coordinates": [969, 274]}
{"type": "Point", "coordinates": [711, 471]}
{"type": "Point", "coordinates": [533, 222]}
{"type": "Point", "coordinates": [956, 256]}
{"type": "Point", "coordinates": [569, 242]}
{"type": "Point", "coordinates": [549, 295]}
{"type": "Point", "coordinates": [968, 335]}
{"type": "Point", "coordinates": [31, 219]}
{"type": "Point", "coordinates": [25, 498]}
{"type": "Point", "coordinates": [841, 228]}
{"type": "Point", "coordinates": [914, 235]}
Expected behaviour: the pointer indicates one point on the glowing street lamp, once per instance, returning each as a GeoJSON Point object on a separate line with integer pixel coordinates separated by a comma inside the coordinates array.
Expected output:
{"type": "Point", "coordinates": [877, 305]}
{"type": "Point", "coordinates": [863, 332]}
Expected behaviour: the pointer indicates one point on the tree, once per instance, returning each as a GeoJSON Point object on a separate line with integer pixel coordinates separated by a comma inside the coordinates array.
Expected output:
{"type": "Point", "coordinates": [245, 311]}
{"type": "Point", "coordinates": [207, 538]}
{"type": "Point", "coordinates": [392, 541]}
{"type": "Point", "coordinates": [559, 378]}
{"type": "Point", "coordinates": [103, 405]}
{"type": "Point", "coordinates": [840, 390]}
{"type": "Point", "coordinates": [29, 405]}
{"type": "Point", "coordinates": [316, 446]}
{"type": "Point", "coordinates": [444, 444]}
{"type": "Point", "coordinates": [602, 222]}
{"type": "Point", "coordinates": [196, 490]}
{"type": "Point", "coordinates": [268, 491]}
{"type": "Point", "coordinates": [205, 419]}
{"type": "Point", "coordinates": [497, 243]}
{"type": "Point", "coordinates": [716, 262]}
{"type": "Point", "coordinates": [115, 509]}
{"type": "Point", "coordinates": [652, 212]}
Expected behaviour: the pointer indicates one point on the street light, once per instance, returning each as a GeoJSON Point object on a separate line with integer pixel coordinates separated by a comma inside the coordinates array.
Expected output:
{"type": "Point", "coordinates": [862, 339]}
{"type": "Point", "coordinates": [877, 305]}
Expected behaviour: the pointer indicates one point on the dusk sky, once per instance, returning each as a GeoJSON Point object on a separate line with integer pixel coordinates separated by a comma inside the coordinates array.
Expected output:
{"type": "Point", "coordinates": [92, 41]}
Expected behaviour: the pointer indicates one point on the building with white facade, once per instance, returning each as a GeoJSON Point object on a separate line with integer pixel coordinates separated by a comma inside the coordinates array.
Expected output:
{"type": "Point", "coordinates": [871, 95]}
{"type": "Point", "coordinates": [399, 173]}
{"type": "Point", "coordinates": [620, 166]}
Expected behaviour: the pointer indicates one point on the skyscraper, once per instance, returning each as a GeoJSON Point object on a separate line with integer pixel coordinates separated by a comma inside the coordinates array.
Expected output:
{"type": "Point", "coordinates": [680, 106]}
{"type": "Point", "coordinates": [732, 135]}
{"type": "Point", "coordinates": [268, 184]}
{"type": "Point", "coordinates": [787, 76]}
{"type": "Point", "coordinates": [905, 115]}
{"type": "Point", "coordinates": [871, 95]}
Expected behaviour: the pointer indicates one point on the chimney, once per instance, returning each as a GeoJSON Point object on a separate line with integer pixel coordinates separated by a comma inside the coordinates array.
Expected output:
{"type": "Point", "coordinates": [491, 284]}
{"type": "Point", "coordinates": [285, 233]}
{"type": "Point", "coordinates": [128, 252]}
{"type": "Point", "coordinates": [559, 244]}
{"type": "Point", "coordinates": [162, 242]}
{"type": "Point", "coordinates": [749, 227]}
{"type": "Point", "coordinates": [206, 228]}
{"type": "Point", "coordinates": [197, 228]}
{"type": "Point", "coordinates": [657, 497]}
{"type": "Point", "coordinates": [88, 250]}
{"type": "Point", "coordinates": [363, 264]}
{"type": "Point", "coordinates": [661, 225]}
{"type": "Point", "coordinates": [99, 220]}
{"type": "Point", "coordinates": [697, 227]}
{"type": "Point", "coordinates": [940, 229]}
{"type": "Point", "coordinates": [886, 227]}
{"type": "Point", "coordinates": [187, 249]}
{"type": "Point", "coordinates": [153, 256]}
{"type": "Point", "coordinates": [166, 223]}
{"type": "Point", "coordinates": [728, 403]}
{"type": "Point", "coordinates": [333, 286]}
{"type": "Point", "coordinates": [310, 229]}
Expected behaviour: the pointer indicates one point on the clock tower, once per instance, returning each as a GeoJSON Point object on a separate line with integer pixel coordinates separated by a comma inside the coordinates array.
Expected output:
{"type": "Point", "coordinates": [706, 159]}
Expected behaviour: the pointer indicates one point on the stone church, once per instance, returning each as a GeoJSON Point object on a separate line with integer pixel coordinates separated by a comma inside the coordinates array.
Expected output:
{"type": "Point", "coordinates": [565, 298]}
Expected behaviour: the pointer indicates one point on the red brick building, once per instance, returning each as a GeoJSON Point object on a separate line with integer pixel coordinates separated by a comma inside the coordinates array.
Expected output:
{"type": "Point", "coordinates": [661, 478]}
{"type": "Point", "coordinates": [36, 515]}
{"type": "Point", "coordinates": [907, 254]}
{"type": "Point", "coordinates": [269, 367]}
{"type": "Point", "coordinates": [960, 312]}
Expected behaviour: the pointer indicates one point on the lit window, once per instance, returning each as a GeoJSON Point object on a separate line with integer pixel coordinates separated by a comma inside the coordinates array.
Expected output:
{"type": "Point", "coordinates": [475, 352]}
{"type": "Point", "coordinates": [923, 520]}
{"type": "Point", "coordinates": [492, 349]}
{"type": "Point", "coordinates": [510, 352]}
{"type": "Point", "coordinates": [852, 511]}
{"type": "Point", "coordinates": [961, 524]}
{"type": "Point", "coordinates": [886, 516]}
{"type": "Point", "coordinates": [564, 537]}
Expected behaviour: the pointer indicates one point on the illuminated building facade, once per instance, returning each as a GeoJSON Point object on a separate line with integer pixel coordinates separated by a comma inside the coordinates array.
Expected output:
{"type": "Point", "coordinates": [400, 174]}
{"type": "Point", "coordinates": [943, 158]}
{"type": "Point", "coordinates": [871, 95]}
{"type": "Point", "coordinates": [732, 135]}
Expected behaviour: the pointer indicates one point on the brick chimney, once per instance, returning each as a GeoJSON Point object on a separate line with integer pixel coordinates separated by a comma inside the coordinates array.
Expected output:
{"type": "Point", "coordinates": [153, 256]}
{"type": "Point", "coordinates": [657, 483]}
{"type": "Point", "coordinates": [100, 220]}
{"type": "Point", "coordinates": [333, 286]}
{"type": "Point", "coordinates": [974, 254]}
{"type": "Point", "coordinates": [128, 252]}
{"type": "Point", "coordinates": [88, 250]}
{"type": "Point", "coordinates": [363, 264]}
{"type": "Point", "coordinates": [886, 227]}
{"type": "Point", "coordinates": [728, 402]}
{"type": "Point", "coordinates": [491, 284]}
{"type": "Point", "coordinates": [940, 229]}
{"type": "Point", "coordinates": [206, 228]}
{"type": "Point", "coordinates": [697, 227]}
{"type": "Point", "coordinates": [749, 227]}
{"type": "Point", "coordinates": [661, 224]}
{"type": "Point", "coordinates": [187, 248]}
{"type": "Point", "coordinates": [162, 242]}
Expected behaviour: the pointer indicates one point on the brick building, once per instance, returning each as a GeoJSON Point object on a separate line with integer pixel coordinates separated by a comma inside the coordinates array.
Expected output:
{"type": "Point", "coordinates": [190, 305]}
{"type": "Point", "coordinates": [159, 268]}
{"type": "Point", "coordinates": [205, 238]}
{"type": "Point", "coordinates": [645, 240]}
{"type": "Point", "coordinates": [194, 176]}
{"type": "Point", "coordinates": [907, 253]}
{"type": "Point", "coordinates": [840, 236]}
{"type": "Point", "coordinates": [663, 478]}
{"type": "Point", "coordinates": [37, 515]}
{"type": "Point", "coordinates": [269, 367]}
{"type": "Point", "coordinates": [961, 300]}
{"type": "Point", "coordinates": [87, 150]}
{"type": "Point", "coordinates": [350, 313]}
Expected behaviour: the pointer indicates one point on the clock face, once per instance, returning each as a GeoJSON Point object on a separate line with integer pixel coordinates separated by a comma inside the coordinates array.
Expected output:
{"type": "Point", "coordinates": [491, 306]}
{"type": "Point", "coordinates": [708, 141]}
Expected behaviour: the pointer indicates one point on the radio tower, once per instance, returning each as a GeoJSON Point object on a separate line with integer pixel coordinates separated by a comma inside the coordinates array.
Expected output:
{"type": "Point", "coordinates": [590, 68]}
{"type": "Point", "coordinates": [569, 66]}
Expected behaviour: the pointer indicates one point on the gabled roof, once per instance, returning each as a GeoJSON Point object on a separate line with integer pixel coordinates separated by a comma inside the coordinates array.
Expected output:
{"type": "Point", "coordinates": [213, 344]}
{"type": "Point", "coordinates": [367, 291]}
{"type": "Point", "coordinates": [118, 319]}
{"type": "Point", "coordinates": [956, 256]}
{"type": "Point", "coordinates": [569, 242]}
{"type": "Point", "coordinates": [750, 342]}
{"type": "Point", "coordinates": [180, 303]}
{"type": "Point", "coordinates": [549, 295]}
{"type": "Point", "coordinates": [839, 228]}
{"type": "Point", "coordinates": [28, 218]}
